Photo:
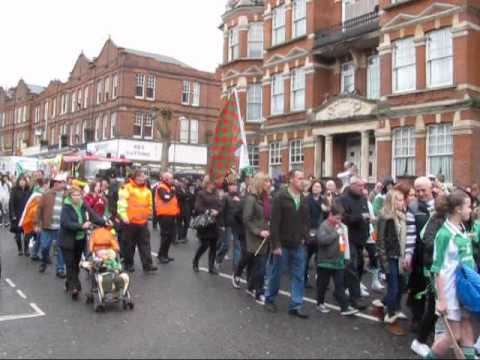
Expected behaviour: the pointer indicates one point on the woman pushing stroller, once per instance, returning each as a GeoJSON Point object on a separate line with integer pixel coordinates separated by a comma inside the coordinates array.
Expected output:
{"type": "Point", "coordinates": [76, 218]}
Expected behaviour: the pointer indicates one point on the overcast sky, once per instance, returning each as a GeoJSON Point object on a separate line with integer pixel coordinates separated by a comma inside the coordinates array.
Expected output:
{"type": "Point", "coordinates": [41, 40]}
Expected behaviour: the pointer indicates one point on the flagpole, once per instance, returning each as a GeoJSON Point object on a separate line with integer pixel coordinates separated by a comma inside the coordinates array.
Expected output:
{"type": "Point", "coordinates": [244, 160]}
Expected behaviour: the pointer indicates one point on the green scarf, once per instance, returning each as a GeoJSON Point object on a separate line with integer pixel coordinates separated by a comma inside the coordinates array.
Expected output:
{"type": "Point", "coordinates": [80, 235]}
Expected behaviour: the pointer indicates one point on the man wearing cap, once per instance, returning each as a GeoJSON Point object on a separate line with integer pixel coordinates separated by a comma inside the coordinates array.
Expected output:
{"type": "Point", "coordinates": [48, 223]}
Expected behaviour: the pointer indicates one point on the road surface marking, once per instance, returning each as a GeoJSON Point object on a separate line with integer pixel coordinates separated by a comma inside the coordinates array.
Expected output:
{"type": "Point", "coordinates": [10, 282]}
{"type": "Point", "coordinates": [306, 299]}
{"type": "Point", "coordinates": [21, 294]}
{"type": "Point", "coordinates": [37, 309]}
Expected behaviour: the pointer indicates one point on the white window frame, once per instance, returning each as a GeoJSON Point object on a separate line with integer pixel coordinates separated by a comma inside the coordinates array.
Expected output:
{"type": "Point", "coordinates": [347, 71]}
{"type": "Point", "coordinates": [296, 155]}
{"type": "Point", "coordinates": [436, 55]}
{"type": "Point", "coordinates": [408, 63]}
{"type": "Point", "coordinates": [115, 85]}
{"type": "Point", "coordinates": [45, 111]}
{"type": "Point", "coordinates": [151, 85]}
{"type": "Point", "coordinates": [184, 130]}
{"type": "Point", "coordinates": [279, 25]}
{"type": "Point", "coordinates": [98, 127]}
{"type": "Point", "coordinates": [254, 102]}
{"type": "Point", "coordinates": [233, 44]}
{"type": "Point", "coordinates": [274, 156]}
{"type": "Point", "coordinates": [255, 40]}
{"type": "Point", "coordinates": [194, 130]}
{"type": "Point", "coordinates": [278, 94]}
{"type": "Point", "coordinates": [298, 90]}
{"type": "Point", "coordinates": [373, 77]}
{"type": "Point", "coordinates": [113, 125]}
{"type": "Point", "coordinates": [105, 127]}
{"type": "Point", "coordinates": [403, 149]}
{"type": "Point", "coordinates": [196, 94]}
{"type": "Point", "coordinates": [54, 106]}
{"type": "Point", "coordinates": [138, 122]}
{"type": "Point", "coordinates": [447, 137]}
{"type": "Point", "coordinates": [37, 115]}
{"type": "Point", "coordinates": [74, 101]}
{"type": "Point", "coordinates": [147, 123]}
{"type": "Point", "coordinates": [84, 128]}
{"type": "Point", "coordinates": [106, 89]}
{"type": "Point", "coordinates": [299, 18]}
{"type": "Point", "coordinates": [186, 92]}
{"type": "Point", "coordinates": [79, 100]}
{"type": "Point", "coordinates": [99, 92]}
{"type": "Point", "coordinates": [85, 97]}
{"type": "Point", "coordinates": [139, 84]}
{"type": "Point", "coordinates": [254, 155]}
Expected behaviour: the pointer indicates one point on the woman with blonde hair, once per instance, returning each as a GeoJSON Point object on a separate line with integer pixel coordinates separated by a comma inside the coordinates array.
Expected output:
{"type": "Point", "coordinates": [392, 237]}
{"type": "Point", "coordinates": [256, 219]}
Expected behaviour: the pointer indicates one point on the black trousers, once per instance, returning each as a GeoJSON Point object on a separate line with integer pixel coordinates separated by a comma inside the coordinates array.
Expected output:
{"type": "Point", "coordinates": [209, 243]}
{"type": "Point", "coordinates": [352, 280]}
{"type": "Point", "coordinates": [323, 279]}
{"type": "Point", "coordinates": [427, 325]}
{"type": "Point", "coordinates": [137, 235]}
{"type": "Point", "coordinates": [168, 232]}
{"type": "Point", "coordinates": [255, 271]}
{"type": "Point", "coordinates": [72, 259]}
{"type": "Point", "coordinates": [20, 239]}
{"type": "Point", "coordinates": [417, 283]}
{"type": "Point", "coordinates": [311, 249]}
{"type": "Point", "coordinates": [183, 223]}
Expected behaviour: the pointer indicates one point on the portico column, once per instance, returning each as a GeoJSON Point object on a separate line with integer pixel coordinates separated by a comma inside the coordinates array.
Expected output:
{"type": "Point", "coordinates": [318, 157]}
{"type": "Point", "coordinates": [328, 156]}
{"type": "Point", "coordinates": [365, 149]}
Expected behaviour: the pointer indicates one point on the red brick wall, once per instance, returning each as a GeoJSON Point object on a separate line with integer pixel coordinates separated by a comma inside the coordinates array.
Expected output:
{"type": "Point", "coordinates": [384, 159]}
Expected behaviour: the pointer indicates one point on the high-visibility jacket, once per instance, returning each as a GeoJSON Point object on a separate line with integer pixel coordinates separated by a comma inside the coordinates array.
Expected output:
{"type": "Point", "coordinates": [135, 203]}
{"type": "Point", "coordinates": [169, 207]}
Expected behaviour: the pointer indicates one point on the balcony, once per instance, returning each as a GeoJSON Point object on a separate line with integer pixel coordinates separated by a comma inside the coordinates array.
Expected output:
{"type": "Point", "coordinates": [356, 32]}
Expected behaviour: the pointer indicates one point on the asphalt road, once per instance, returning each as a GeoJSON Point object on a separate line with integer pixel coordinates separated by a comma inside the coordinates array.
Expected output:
{"type": "Point", "coordinates": [178, 314]}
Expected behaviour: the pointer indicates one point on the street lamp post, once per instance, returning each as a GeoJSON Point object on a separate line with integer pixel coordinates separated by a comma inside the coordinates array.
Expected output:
{"type": "Point", "coordinates": [161, 118]}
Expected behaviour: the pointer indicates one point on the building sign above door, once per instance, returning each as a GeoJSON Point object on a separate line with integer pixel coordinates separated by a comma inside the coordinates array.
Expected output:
{"type": "Point", "coordinates": [345, 108]}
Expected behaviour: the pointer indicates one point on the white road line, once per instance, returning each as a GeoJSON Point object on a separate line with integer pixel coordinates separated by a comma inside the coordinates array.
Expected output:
{"type": "Point", "coordinates": [10, 282]}
{"type": "Point", "coordinates": [37, 309]}
{"type": "Point", "coordinates": [19, 317]}
{"type": "Point", "coordinates": [306, 299]}
{"type": "Point", "coordinates": [21, 294]}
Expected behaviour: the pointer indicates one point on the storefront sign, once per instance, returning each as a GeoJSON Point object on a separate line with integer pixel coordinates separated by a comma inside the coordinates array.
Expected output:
{"type": "Point", "coordinates": [144, 151]}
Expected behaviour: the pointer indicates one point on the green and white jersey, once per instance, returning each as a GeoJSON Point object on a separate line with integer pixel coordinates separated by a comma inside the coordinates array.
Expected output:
{"type": "Point", "coordinates": [452, 248]}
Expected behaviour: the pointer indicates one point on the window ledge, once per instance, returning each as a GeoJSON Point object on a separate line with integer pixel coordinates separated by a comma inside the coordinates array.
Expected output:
{"type": "Point", "coordinates": [397, 4]}
{"type": "Point", "coordinates": [277, 46]}
{"type": "Point", "coordinates": [422, 91]}
{"type": "Point", "coordinates": [286, 114]}
{"type": "Point", "coordinates": [139, 97]}
{"type": "Point", "coordinates": [231, 62]}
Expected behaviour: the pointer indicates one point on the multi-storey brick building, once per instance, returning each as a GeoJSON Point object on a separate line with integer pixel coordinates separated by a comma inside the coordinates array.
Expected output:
{"type": "Point", "coordinates": [108, 105]}
{"type": "Point", "coordinates": [390, 85]}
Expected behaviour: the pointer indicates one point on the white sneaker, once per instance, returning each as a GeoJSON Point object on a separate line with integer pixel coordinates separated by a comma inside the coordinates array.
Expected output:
{"type": "Point", "coordinates": [377, 285]}
{"type": "Point", "coordinates": [347, 292]}
{"type": "Point", "coordinates": [260, 300]}
{"type": "Point", "coordinates": [236, 282]}
{"type": "Point", "coordinates": [378, 303]}
{"type": "Point", "coordinates": [349, 311]}
{"type": "Point", "coordinates": [401, 316]}
{"type": "Point", "coordinates": [420, 349]}
{"type": "Point", "coordinates": [389, 319]}
{"type": "Point", "coordinates": [363, 291]}
{"type": "Point", "coordinates": [251, 293]}
{"type": "Point", "coordinates": [323, 309]}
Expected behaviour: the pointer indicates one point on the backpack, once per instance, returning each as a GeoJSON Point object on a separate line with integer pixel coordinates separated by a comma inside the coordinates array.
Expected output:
{"type": "Point", "coordinates": [468, 288]}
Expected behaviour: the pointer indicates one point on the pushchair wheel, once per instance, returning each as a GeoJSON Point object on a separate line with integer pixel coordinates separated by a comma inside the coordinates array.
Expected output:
{"type": "Point", "coordinates": [97, 303]}
{"type": "Point", "coordinates": [89, 299]}
{"type": "Point", "coordinates": [128, 305]}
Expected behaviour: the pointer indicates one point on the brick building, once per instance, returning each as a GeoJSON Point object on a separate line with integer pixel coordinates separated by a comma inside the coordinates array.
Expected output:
{"type": "Point", "coordinates": [108, 105]}
{"type": "Point", "coordinates": [390, 85]}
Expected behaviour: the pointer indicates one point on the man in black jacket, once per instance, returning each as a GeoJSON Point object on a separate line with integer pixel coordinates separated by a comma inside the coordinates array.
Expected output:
{"type": "Point", "coordinates": [357, 219]}
{"type": "Point", "coordinates": [231, 203]}
{"type": "Point", "coordinates": [289, 229]}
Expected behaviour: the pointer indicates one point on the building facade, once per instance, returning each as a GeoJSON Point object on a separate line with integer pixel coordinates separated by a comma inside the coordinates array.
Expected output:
{"type": "Point", "coordinates": [390, 85]}
{"type": "Point", "coordinates": [109, 105]}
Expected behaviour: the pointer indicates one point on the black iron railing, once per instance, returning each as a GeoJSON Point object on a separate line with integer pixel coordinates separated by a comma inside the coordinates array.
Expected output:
{"type": "Point", "coordinates": [351, 28]}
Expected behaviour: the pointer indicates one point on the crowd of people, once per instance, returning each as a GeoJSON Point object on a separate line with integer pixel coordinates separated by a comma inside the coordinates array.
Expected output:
{"type": "Point", "coordinates": [413, 236]}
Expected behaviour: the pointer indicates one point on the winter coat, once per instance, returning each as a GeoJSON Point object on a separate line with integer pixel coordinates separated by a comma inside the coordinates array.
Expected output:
{"type": "Point", "coordinates": [354, 206]}
{"type": "Point", "coordinates": [330, 254]}
{"type": "Point", "coordinates": [205, 202]}
{"type": "Point", "coordinates": [70, 224]}
{"type": "Point", "coordinates": [317, 211]}
{"type": "Point", "coordinates": [289, 226]}
{"type": "Point", "coordinates": [255, 222]}
{"type": "Point", "coordinates": [18, 200]}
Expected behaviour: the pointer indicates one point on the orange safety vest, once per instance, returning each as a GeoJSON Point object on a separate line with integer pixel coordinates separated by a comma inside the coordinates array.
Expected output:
{"type": "Point", "coordinates": [139, 202]}
{"type": "Point", "coordinates": [166, 208]}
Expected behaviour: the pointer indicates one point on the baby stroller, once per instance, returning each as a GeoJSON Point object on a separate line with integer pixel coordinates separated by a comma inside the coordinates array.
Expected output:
{"type": "Point", "coordinates": [109, 283]}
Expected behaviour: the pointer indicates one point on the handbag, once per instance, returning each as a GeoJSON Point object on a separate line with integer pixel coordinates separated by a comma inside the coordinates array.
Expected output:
{"type": "Point", "coordinates": [468, 288]}
{"type": "Point", "coordinates": [202, 221]}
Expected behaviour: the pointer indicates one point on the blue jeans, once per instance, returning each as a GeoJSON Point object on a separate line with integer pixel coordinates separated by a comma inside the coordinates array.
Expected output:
{"type": "Point", "coordinates": [237, 249]}
{"type": "Point", "coordinates": [294, 261]}
{"type": "Point", "coordinates": [224, 244]}
{"type": "Point", "coordinates": [395, 287]}
{"type": "Point", "coordinates": [47, 237]}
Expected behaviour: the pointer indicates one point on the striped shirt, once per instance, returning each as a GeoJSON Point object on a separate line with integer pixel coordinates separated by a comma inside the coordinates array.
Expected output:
{"type": "Point", "coordinates": [412, 228]}
{"type": "Point", "coordinates": [57, 210]}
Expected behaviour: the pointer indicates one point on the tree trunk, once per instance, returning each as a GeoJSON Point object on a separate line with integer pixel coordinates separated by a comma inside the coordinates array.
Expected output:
{"type": "Point", "coordinates": [165, 148]}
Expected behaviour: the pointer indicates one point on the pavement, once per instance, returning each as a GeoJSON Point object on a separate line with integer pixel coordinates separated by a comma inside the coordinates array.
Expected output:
{"type": "Point", "coordinates": [178, 314]}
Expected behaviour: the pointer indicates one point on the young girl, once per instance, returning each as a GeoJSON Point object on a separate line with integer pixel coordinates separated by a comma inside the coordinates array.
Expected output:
{"type": "Point", "coordinates": [452, 248]}
{"type": "Point", "coordinates": [392, 237]}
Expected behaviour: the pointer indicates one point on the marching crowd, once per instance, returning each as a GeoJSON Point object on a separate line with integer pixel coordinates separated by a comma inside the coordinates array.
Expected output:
{"type": "Point", "coordinates": [413, 238]}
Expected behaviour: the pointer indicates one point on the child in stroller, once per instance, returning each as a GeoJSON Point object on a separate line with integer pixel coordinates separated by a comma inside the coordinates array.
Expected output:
{"type": "Point", "coordinates": [109, 283]}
